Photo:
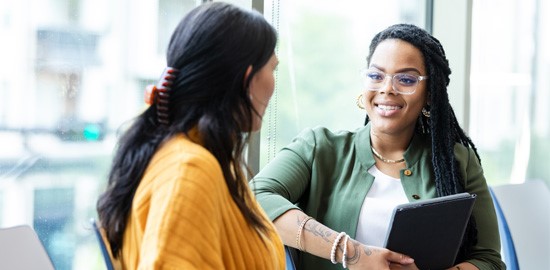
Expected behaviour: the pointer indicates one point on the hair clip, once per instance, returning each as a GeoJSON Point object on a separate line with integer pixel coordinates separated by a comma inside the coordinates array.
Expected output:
{"type": "Point", "coordinates": [162, 87]}
{"type": "Point", "coordinates": [150, 94]}
{"type": "Point", "coordinates": [160, 95]}
{"type": "Point", "coordinates": [167, 78]}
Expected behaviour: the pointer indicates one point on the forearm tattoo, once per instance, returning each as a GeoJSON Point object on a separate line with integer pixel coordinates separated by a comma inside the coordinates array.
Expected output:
{"type": "Point", "coordinates": [319, 230]}
{"type": "Point", "coordinates": [355, 254]}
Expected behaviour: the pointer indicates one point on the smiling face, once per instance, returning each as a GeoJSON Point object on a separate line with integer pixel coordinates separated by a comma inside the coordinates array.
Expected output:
{"type": "Point", "coordinates": [261, 89]}
{"type": "Point", "coordinates": [390, 112]}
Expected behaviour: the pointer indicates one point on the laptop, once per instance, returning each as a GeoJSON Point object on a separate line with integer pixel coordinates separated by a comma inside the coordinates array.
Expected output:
{"type": "Point", "coordinates": [21, 249]}
{"type": "Point", "coordinates": [430, 231]}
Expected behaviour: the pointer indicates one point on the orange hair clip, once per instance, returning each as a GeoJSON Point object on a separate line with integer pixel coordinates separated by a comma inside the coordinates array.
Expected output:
{"type": "Point", "coordinates": [150, 94]}
{"type": "Point", "coordinates": [162, 87]}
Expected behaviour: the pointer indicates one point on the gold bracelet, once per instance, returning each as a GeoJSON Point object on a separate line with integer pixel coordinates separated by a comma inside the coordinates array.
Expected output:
{"type": "Point", "coordinates": [299, 235]}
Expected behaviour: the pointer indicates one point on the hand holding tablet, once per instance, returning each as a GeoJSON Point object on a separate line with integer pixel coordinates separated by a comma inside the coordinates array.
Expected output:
{"type": "Point", "coordinates": [430, 231]}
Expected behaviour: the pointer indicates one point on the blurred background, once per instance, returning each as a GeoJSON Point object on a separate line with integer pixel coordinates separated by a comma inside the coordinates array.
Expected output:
{"type": "Point", "coordinates": [72, 73]}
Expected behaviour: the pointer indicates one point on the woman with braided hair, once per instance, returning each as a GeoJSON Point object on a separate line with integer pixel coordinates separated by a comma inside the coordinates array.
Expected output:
{"type": "Point", "coordinates": [177, 196]}
{"type": "Point", "coordinates": [331, 194]}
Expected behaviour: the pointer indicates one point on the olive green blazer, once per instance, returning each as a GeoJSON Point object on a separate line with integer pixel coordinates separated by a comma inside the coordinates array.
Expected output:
{"type": "Point", "coordinates": [325, 175]}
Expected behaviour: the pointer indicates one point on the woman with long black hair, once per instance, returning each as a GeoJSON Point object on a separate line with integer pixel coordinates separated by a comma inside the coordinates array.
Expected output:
{"type": "Point", "coordinates": [177, 196]}
{"type": "Point", "coordinates": [331, 194]}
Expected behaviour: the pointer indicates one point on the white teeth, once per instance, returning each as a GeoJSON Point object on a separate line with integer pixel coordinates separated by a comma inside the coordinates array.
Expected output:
{"type": "Point", "coordinates": [388, 108]}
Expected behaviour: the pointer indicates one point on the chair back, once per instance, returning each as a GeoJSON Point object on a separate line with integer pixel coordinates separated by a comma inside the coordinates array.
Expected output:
{"type": "Point", "coordinates": [527, 210]}
{"type": "Point", "coordinates": [508, 251]}
{"type": "Point", "coordinates": [20, 249]}
{"type": "Point", "coordinates": [289, 259]}
{"type": "Point", "coordinates": [103, 244]}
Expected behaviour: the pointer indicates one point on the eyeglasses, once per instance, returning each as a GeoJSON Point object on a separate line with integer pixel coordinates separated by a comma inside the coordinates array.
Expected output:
{"type": "Point", "coordinates": [402, 83]}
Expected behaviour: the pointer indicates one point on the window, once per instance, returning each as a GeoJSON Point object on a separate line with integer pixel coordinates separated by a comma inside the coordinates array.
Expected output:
{"type": "Point", "coordinates": [510, 93]}
{"type": "Point", "coordinates": [74, 71]}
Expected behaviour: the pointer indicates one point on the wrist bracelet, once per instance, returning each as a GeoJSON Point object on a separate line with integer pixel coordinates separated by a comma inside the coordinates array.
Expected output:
{"type": "Point", "coordinates": [299, 235]}
{"type": "Point", "coordinates": [335, 246]}
{"type": "Point", "coordinates": [344, 258]}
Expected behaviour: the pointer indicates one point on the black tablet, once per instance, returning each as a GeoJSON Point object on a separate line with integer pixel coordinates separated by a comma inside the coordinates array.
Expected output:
{"type": "Point", "coordinates": [430, 231]}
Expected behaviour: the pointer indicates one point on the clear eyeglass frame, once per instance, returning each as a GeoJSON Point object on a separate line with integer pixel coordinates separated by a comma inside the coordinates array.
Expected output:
{"type": "Point", "coordinates": [397, 86]}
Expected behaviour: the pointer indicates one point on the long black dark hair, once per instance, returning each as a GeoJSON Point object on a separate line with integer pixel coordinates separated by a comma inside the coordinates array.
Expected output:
{"type": "Point", "coordinates": [442, 125]}
{"type": "Point", "coordinates": [212, 47]}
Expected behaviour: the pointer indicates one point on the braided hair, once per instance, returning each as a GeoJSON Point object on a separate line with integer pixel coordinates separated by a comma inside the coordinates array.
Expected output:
{"type": "Point", "coordinates": [442, 125]}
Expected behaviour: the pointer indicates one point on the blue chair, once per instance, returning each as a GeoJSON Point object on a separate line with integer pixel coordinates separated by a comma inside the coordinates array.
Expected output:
{"type": "Point", "coordinates": [289, 259]}
{"type": "Point", "coordinates": [103, 245]}
{"type": "Point", "coordinates": [508, 249]}
{"type": "Point", "coordinates": [527, 210]}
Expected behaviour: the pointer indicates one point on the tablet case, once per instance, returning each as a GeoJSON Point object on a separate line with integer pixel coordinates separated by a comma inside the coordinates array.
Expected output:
{"type": "Point", "coordinates": [430, 231]}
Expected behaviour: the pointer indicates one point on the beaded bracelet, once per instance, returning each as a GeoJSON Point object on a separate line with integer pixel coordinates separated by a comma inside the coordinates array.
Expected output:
{"type": "Point", "coordinates": [334, 246]}
{"type": "Point", "coordinates": [299, 235]}
{"type": "Point", "coordinates": [344, 258]}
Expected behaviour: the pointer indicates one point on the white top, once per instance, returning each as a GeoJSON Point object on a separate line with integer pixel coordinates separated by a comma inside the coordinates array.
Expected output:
{"type": "Point", "coordinates": [386, 193]}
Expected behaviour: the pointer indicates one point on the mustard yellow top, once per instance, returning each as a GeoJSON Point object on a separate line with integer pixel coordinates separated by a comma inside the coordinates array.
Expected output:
{"type": "Point", "coordinates": [183, 217]}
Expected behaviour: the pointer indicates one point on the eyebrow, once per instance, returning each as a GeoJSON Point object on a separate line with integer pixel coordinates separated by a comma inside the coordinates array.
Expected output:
{"type": "Point", "coordinates": [398, 71]}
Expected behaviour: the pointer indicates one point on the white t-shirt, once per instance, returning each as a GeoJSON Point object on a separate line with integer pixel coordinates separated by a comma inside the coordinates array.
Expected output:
{"type": "Point", "coordinates": [386, 193]}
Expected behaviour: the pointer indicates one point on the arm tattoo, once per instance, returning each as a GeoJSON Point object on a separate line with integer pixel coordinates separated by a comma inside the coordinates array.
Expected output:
{"type": "Point", "coordinates": [298, 221]}
{"type": "Point", "coordinates": [354, 256]}
{"type": "Point", "coordinates": [368, 251]}
{"type": "Point", "coordinates": [356, 253]}
{"type": "Point", "coordinates": [317, 229]}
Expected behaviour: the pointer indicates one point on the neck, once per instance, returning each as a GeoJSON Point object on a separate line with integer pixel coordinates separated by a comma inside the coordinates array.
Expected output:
{"type": "Point", "coordinates": [389, 148]}
{"type": "Point", "coordinates": [391, 143]}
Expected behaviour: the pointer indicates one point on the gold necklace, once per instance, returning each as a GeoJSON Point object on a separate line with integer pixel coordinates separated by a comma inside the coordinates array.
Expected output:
{"type": "Point", "coordinates": [385, 160]}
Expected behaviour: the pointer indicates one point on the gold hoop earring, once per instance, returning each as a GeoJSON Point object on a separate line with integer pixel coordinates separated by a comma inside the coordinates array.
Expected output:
{"type": "Point", "coordinates": [425, 112]}
{"type": "Point", "coordinates": [359, 102]}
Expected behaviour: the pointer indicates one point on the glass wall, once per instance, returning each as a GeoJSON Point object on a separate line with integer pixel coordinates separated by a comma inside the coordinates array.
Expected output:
{"type": "Point", "coordinates": [74, 70]}
{"type": "Point", "coordinates": [510, 93]}
{"type": "Point", "coordinates": [72, 73]}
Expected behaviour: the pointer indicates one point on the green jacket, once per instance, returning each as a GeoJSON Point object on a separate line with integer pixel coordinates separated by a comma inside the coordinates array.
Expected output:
{"type": "Point", "coordinates": [325, 175]}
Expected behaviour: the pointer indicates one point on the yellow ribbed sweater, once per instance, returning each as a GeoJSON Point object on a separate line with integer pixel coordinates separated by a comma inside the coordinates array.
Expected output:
{"type": "Point", "coordinates": [183, 217]}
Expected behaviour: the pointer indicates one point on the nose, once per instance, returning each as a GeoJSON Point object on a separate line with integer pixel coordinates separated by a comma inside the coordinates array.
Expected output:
{"type": "Point", "coordinates": [387, 86]}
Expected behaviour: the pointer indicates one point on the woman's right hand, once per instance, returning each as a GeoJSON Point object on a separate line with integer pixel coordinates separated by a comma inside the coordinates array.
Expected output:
{"type": "Point", "coordinates": [361, 256]}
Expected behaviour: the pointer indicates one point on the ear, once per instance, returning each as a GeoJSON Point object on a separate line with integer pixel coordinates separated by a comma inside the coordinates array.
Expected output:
{"type": "Point", "coordinates": [246, 74]}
